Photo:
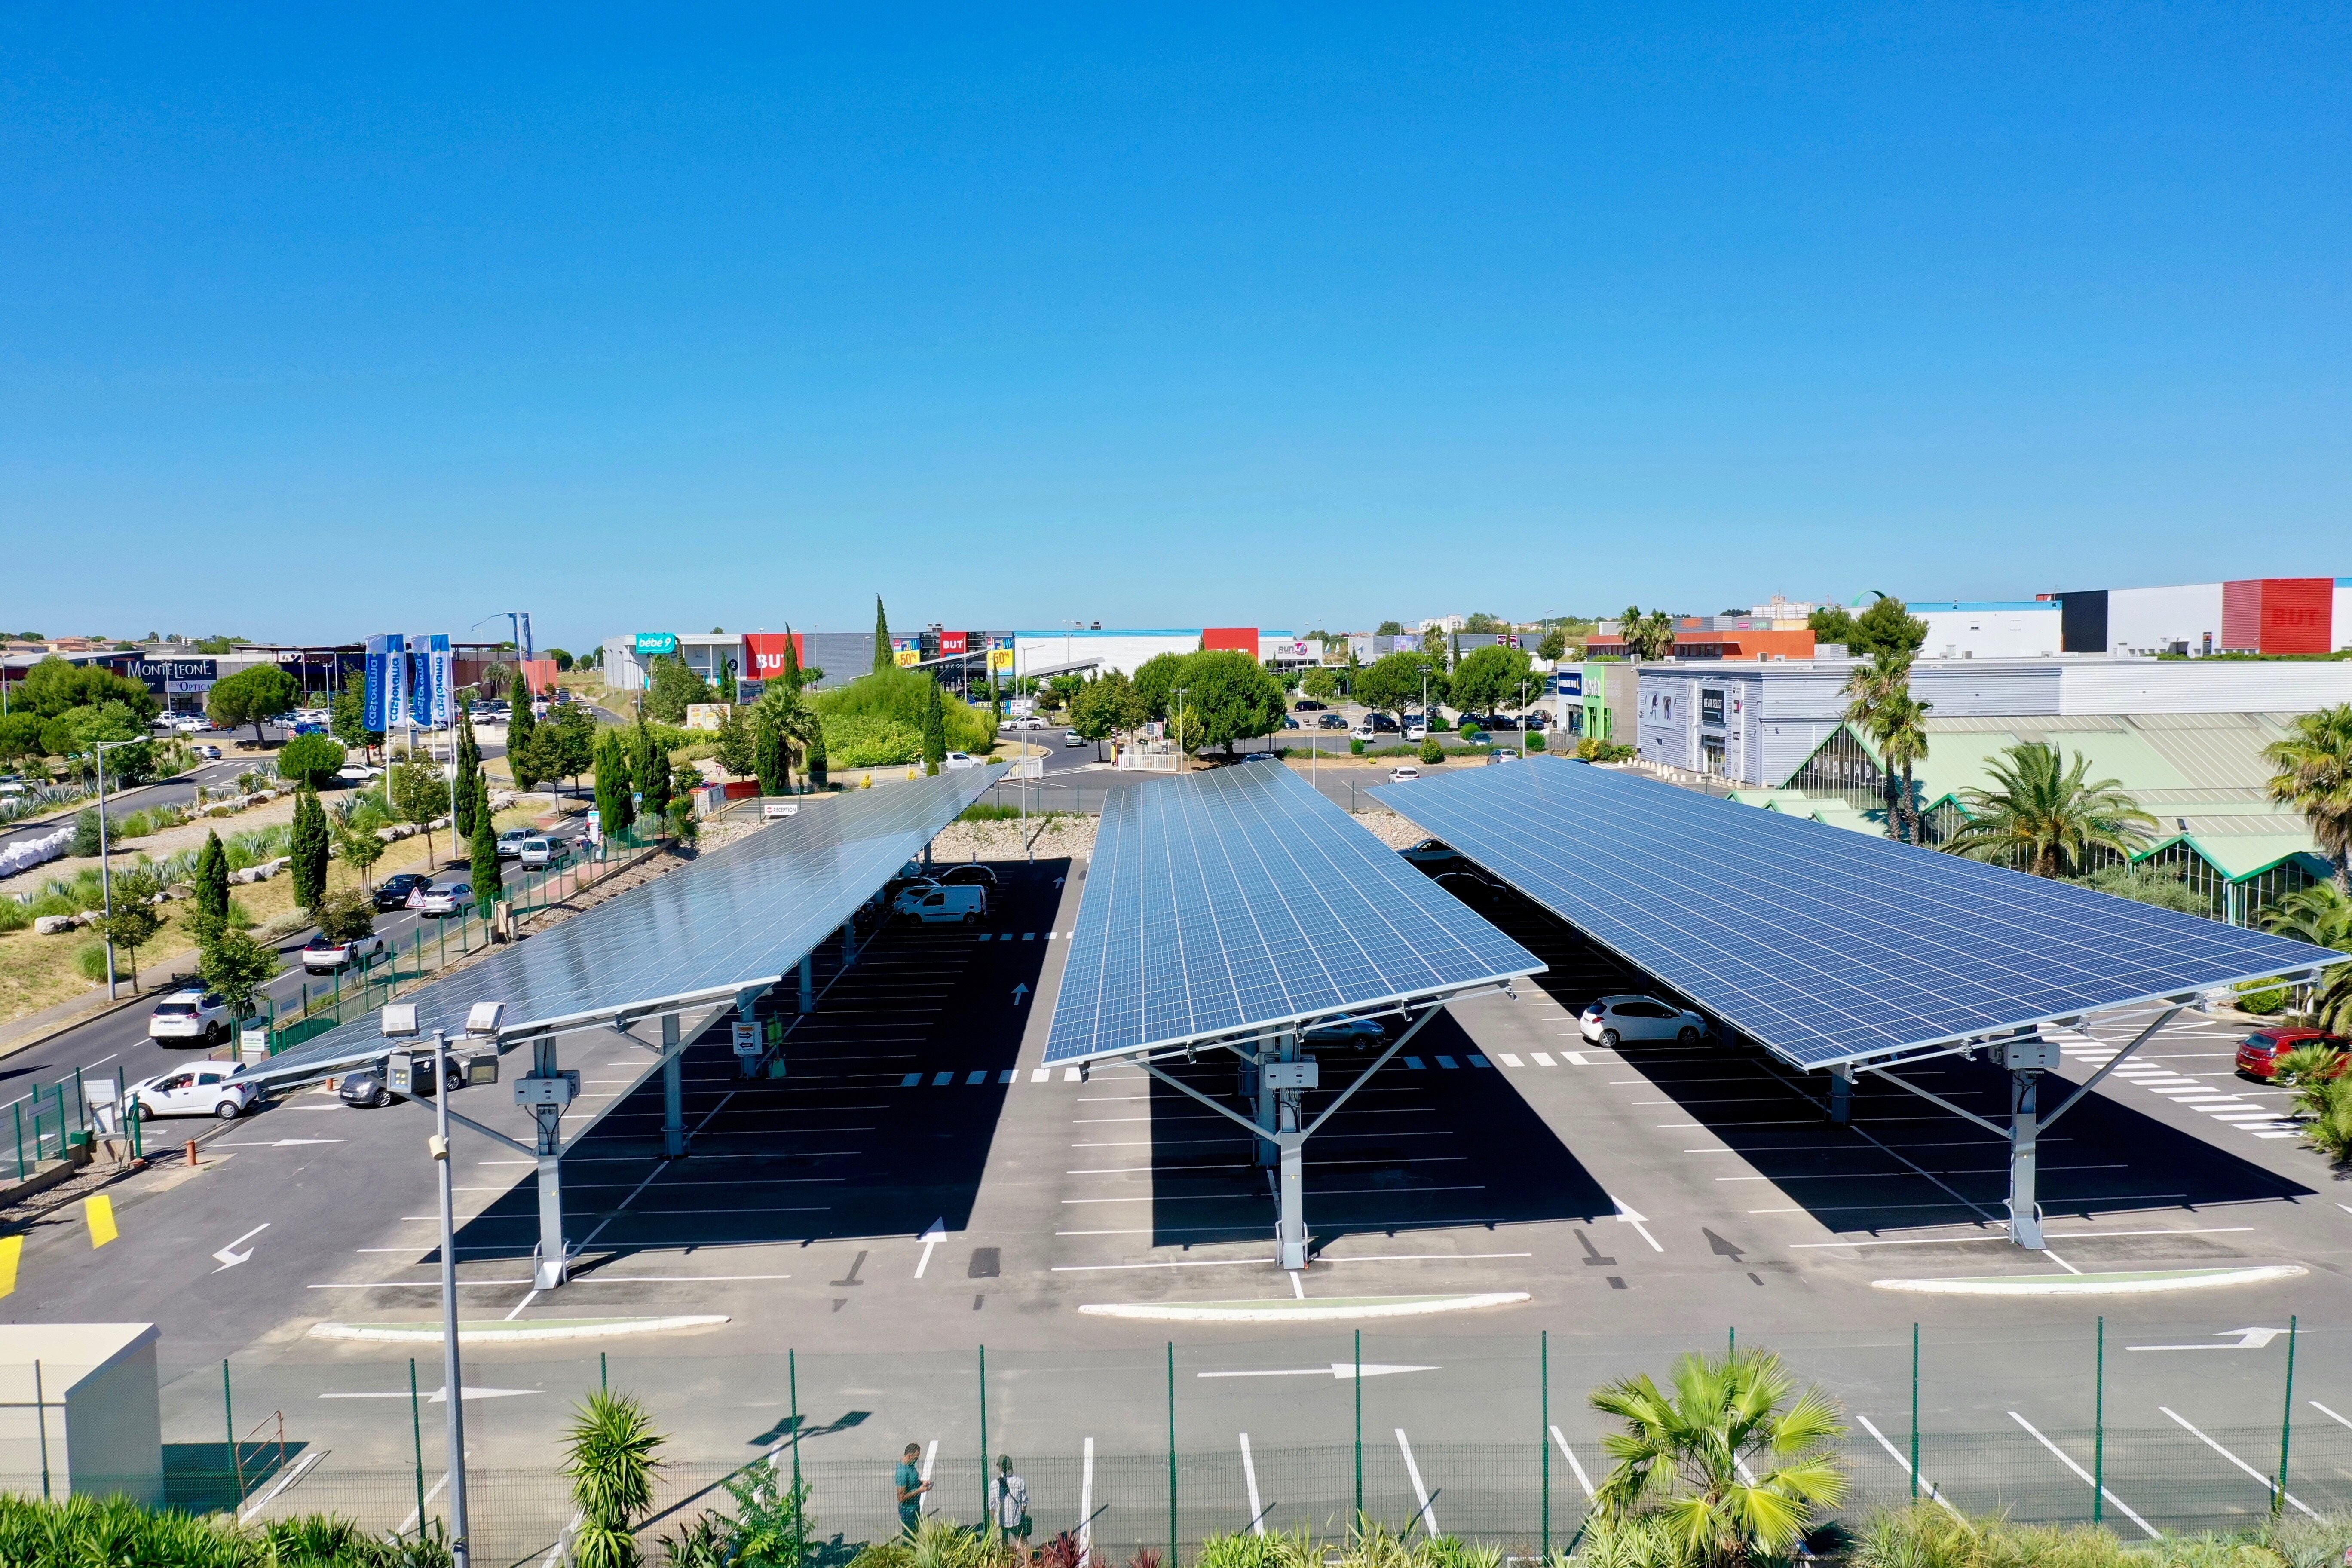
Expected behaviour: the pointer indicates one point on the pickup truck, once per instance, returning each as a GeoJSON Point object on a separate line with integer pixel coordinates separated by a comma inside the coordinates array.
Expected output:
{"type": "Point", "coordinates": [324, 954]}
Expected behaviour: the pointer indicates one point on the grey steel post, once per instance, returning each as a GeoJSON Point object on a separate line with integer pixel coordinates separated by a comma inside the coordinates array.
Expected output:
{"type": "Point", "coordinates": [105, 884]}
{"type": "Point", "coordinates": [1290, 1226]}
{"type": "Point", "coordinates": [549, 1270]}
{"type": "Point", "coordinates": [673, 1091]}
{"type": "Point", "coordinates": [453, 1374]}
{"type": "Point", "coordinates": [1267, 1106]}
{"type": "Point", "coordinates": [808, 983]}
{"type": "Point", "coordinates": [2024, 1212]}
{"type": "Point", "coordinates": [1841, 1097]}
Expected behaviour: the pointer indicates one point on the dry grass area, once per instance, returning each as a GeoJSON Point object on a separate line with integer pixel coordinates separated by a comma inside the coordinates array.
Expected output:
{"type": "Point", "coordinates": [37, 972]}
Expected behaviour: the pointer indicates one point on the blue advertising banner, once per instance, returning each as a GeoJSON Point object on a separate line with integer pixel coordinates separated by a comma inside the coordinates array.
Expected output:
{"type": "Point", "coordinates": [657, 645]}
{"type": "Point", "coordinates": [429, 671]}
{"type": "Point", "coordinates": [385, 665]}
{"type": "Point", "coordinates": [1567, 683]}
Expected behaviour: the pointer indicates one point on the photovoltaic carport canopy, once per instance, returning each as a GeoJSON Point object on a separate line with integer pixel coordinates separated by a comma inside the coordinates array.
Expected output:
{"type": "Point", "coordinates": [739, 917]}
{"type": "Point", "coordinates": [1228, 903]}
{"type": "Point", "coordinates": [1824, 945]}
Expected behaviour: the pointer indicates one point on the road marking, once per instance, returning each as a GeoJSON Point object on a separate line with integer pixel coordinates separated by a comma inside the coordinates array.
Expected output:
{"type": "Point", "coordinates": [2248, 1340]}
{"type": "Point", "coordinates": [1570, 1454]}
{"type": "Point", "coordinates": [1543, 1059]}
{"type": "Point", "coordinates": [1509, 1060]}
{"type": "Point", "coordinates": [2269, 1485]}
{"type": "Point", "coordinates": [2065, 1459]}
{"type": "Point", "coordinates": [2329, 1414]}
{"type": "Point", "coordinates": [439, 1396]}
{"type": "Point", "coordinates": [229, 1258]}
{"type": "Point", "coordinates": [98, 1213]}
{"type": "Point", "coordinates": [1448, 1063]}
{"type": "Point", "coordinates": [1039, 1075]}
{"type": "Point", "coordinates": [1899, 1459]}
{"type": "Point", "coordinates": [912, 1080]}
{"type": "Point", "coordinates": [1338, 1371]}
{"type": "Point", "coordinates": [12, 1248]}
{"type": "Point", "coordinates": [1070, 1075]}
{"type": "Point", "coordinates": [930, 1239]}
{"type": "Point", "coordinates": [941, 1080]}
{"type": "Point", "coordinates": [1249, 1476]}
{"type": "Point", "coordinates": [281, 1144]}
{"type": "Point", "coordinates": [1428, 1520]}
{"type": "Point", "coordinates": [1416, 1064]}
{"type": "Point", "coordinates": [1629, 1216]}
{"type": "Point", "coordinates": [978, 1077]}
{"type": "Point", "coordinates": [1577, 1057]}
{"type": "Point", "coordinates": [2004, 1238]}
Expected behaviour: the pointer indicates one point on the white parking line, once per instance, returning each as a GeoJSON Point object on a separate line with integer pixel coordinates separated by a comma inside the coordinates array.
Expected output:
{"type": "Point", "coordinates": [1249, 1476]}
{"type": "Point", "coordinates": [1413, 1469]}
{"type": "Point", "coordinates": [1896, 1456]}
{"type": "Point", "coordinates": [1570, 1454]}
{"type": "Point", "coordinates": [2153, 1534]}
{"type": "Point", "coordinates": [2269, 1484]}
{"type": "Point", "coordinates": [1086, 1502]}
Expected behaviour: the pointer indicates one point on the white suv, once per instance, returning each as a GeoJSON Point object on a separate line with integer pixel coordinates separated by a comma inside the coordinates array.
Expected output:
{"type": "Point", "coordinates": [195, 1015]}
{"type": "Point", "coordinates": [211, 1089]}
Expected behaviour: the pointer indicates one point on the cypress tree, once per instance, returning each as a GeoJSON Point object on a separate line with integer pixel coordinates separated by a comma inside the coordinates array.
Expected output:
{"type": "Point", "coordinates": [935, 730]}
{"type": "Point", "coordinates": [489, 883]}
{"type": "Point", "coordinates": [792, 675]}
{"type": "Point", "coordinates": [614, 811]}
{"type": "Point", "coordinates": [308, 851]}
{"type": "Point", "coordinates": [212, 879]}
{"type": "Point", "coordinates": [652, 772]}
{"type": "Point", "coordinates": [882, 659]}
{"type": "Point", "coordinates": [469, 771]}
{"type": "Point", "coordinates": [520, 761]}
{"type": "Point", "coordinates": [774, 761]}
{"type": "Point", "coordinates": [813, 757]}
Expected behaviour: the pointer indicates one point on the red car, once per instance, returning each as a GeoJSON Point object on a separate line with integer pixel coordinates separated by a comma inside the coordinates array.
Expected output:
{"type": "Point", "coordinates": [2258, 1056]}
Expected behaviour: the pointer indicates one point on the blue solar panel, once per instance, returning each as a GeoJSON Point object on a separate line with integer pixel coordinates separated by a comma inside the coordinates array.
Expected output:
{"type": "Point", "coordinates": [1230, 902]}
{"type": "Point", "coordinates": [738, 916]}
{"type": "Point", "coordinates": [1823, 944]}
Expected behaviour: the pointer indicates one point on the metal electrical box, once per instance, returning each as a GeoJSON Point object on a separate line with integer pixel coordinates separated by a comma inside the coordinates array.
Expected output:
{"type": "Point", "coordinates": [559, 1090]}
{"type": "Point", "coordinates": [1290, 1075]}
{"type": "Point", "coordinates": [2034, 1053]}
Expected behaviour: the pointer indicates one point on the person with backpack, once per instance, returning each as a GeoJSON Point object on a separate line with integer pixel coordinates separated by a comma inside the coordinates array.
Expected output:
{"type": "Point", "coordinates": [1010, 1509]}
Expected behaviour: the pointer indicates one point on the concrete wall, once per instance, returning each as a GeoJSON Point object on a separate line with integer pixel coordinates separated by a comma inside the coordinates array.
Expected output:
{"type": "Point", "coordinates": [2201, 686]}
{"type": "Point", "coordinates": [103, 1415]}
{"type": "Point", "coordinates": [2151, 620]}
{"type": "Point", "coordinates": [1124, 651]}
{"type": "Point", "coordinates": [1962, 630]}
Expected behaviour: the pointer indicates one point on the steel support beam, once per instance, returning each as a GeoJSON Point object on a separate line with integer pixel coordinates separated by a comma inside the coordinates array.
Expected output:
{"type": "Point", "coordinates": [1841, 1098]}
{"type": "Point", "coordinates": [2024, 1211]}
{"type": "Point", "coordinates": [1290, 1212]}
{"type": "Point", "coordinates": [551, 1260]}
{"type": "Point", "coordinates": [673, 1091]}
{"type": "Point", "coordinates": [808, 983]}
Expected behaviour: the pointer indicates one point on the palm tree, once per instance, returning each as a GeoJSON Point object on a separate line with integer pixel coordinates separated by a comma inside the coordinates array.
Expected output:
{"type": "Point", "coordinates": [610, 1461]}
{"type": "Point", "coordinates": [2045, 815]}
{"type": "Point", "coordinates": [1903, 742]}
{"type": "Point", "coordinates": [1733, 1462]}
{"type": "Point", "coordinates": [2315, 776]}
{"type": "Point", "coordinates": [2320, 915]}
{"type": "Point", "coordinates": [1875, 690]}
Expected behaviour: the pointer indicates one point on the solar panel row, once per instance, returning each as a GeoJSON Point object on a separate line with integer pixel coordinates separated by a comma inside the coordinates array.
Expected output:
{"type": "Point", "coordinates": [1827, 946]}
{"type": "Point", "coordinates": [738, 916]}
{"type": "Point", "coordinates": [1237, 899]}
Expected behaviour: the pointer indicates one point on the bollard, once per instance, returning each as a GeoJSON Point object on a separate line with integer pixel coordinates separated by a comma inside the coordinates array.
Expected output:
{"type": "Point", "coordinates": [192, 1151]}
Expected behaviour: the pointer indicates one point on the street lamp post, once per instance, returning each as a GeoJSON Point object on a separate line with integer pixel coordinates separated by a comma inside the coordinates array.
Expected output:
{"type": "Point", "coordinates": [105, 882]}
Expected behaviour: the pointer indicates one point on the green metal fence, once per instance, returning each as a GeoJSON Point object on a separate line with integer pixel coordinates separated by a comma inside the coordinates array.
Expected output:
{"type": "Point", "coordinates": [50, 1120]}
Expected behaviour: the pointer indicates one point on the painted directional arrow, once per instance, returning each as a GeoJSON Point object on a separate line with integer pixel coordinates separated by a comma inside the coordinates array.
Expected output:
{"type": "Point", "coordinates": [1342, 1370]}
{"type": "Point", "coordinates": [931, 1239]}
{"type": "Point", "coordinates": [2248, 1340]}
{"type": "Point", "coordinates": [1020, 993]}
{"type": "Point", "coordinates": [1635, 1218]}
{"type": "Point", "coordinates": [229, 1256]}
{"type": "Point", "coordinates": [440, 1395]}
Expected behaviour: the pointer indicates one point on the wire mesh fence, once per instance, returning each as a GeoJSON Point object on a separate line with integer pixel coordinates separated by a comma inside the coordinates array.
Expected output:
{"type": "Point", "coordinates": [1513, 1495]}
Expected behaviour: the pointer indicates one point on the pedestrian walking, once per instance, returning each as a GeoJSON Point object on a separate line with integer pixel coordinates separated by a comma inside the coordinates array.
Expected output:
{"type": "Point", "coordinates": [911, 1488]}
{"type": "Point", "coordinates": [1012, 1509]}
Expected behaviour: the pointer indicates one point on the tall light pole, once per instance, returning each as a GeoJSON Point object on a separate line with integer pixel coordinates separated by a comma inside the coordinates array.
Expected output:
{"type": "Point", "coordinates": [105, 883]}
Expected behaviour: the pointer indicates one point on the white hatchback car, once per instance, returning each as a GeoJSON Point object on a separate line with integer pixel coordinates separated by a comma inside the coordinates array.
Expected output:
{"type": "Point", "coordinates": [1615, 1018]}
{"type": "Point", "coordinates": [197, 1017]}
{"type": "Point", "coordinates": [212, 1089]}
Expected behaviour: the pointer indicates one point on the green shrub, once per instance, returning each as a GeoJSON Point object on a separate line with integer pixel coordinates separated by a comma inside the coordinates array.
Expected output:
{"type": "Point", "coordinates": [14, 916]}
{"type": "Point", "coordinates": [989, 812]}
{"type": "Point", "coordinates": [92, 960]}
{"type": "Point", "coordinates": [2146, 885]}
{"type": "Point", "coordinates": [2261, 996]}
{"type": "Point", "coordinates": [1355, 747]}
{"type": "Point", "coordinates": [1431, 751]}
{"type": "Point", "coordinates": [85, 839]}
{"type": "Point", "coordinates": [1535, 739]}
{"type": "Point", "coordinates": [864, 740]}
{"type": "Point", "coordinates": [899, 695]}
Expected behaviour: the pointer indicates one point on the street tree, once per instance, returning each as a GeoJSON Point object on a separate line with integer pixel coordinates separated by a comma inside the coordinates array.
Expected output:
{"type": "Point", "coordinates": [671, 688]}
{"type": "Point", "coordinates": [567, 744]}
{"type": "Point", "coordinates": [251, 696]}
{"type": "Point", "coordinates": [212, 888]}
{"type": "Point", "coordinates": [614, 810]}
{"type": "Point", "coordinates": [308, 848]}
{"type": "Point", "coordinates": [935, 730]}
{"type": "Point", "coordinates": [1554, 647]}
{"type": "Point", "coordinates": [311, 760]}
{"type": "Point", "coordinates": [771, 756]}
{"type": "Point", "coordinates": [418, 794]}
{"type": "Point", "coordinates": [53, 686]}
{"type": "Point", "coordinates": [1107, 706]}
{"type": "Point", "coordinates": [2314, 760]}
{"type": "Point", "coordinates": [131, 926]}
{"type": "Point", "coordinates": [1395, 684]}
{"type": "Point", "coordinates": [650, 767]}
{"type": "Point", "coordinates": [1155, 679]}
{"type": "Point", "coordinates": [347, 721]}
{"type": "Point", "coordinates": [2049, 817]}
{"type": "Point", "coordinates": [469, 776]}
{"type": "Point", "coordinates": [1489, 679]}
{"type": "Point", "coordinates": [362, 849]}
{"type": "Point", "coordinates": [738, 744]}
{"type": "Point", "coordinates": [348, 914]}
{"type": "Point", "coordinates": [1887, 626]}
{"type": "Point", "coordinates": [883, 659]}
{"type": "Point", "coordinates": [1388, 630]}
{"type": "Point", "coordinates": [236, 966]}
{"type": "Point", "coordinates": [1228, 697]}
{"type": "Point", "coordinates": [522, 756]}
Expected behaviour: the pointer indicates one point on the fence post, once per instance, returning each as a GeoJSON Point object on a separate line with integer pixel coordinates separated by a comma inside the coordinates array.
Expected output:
{"type": "Point", "coordinates": [18, 1109]}
{"type": "Point", "coordinates": [1914, 1413]}
{"type": "Point", "coordinates": [1543, 1441]}
{"type": "Point", "coordinates": [41, 1423]}
{"type": "Point", "coordinates": [800, 1522]}
{"type": "Point", "coordinates": [1360, 1428]}
{"type": "Point", "coordinates": [416, 1432]}
{"type": "Point", "coordinates": [228, 1420]}
{"type": "Point", "coordinates": [2099, 1428]}
{"type": "Point", "coordinates": [984, 1520]}
{"type": "Point", "coordinates": [1171, 1454]}
{"type": "Point", "coordinates": [2286, 1418]}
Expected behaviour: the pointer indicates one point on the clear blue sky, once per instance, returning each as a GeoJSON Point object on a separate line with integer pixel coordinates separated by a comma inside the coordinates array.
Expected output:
{"type": "Point", "coordinates": [318, 323]}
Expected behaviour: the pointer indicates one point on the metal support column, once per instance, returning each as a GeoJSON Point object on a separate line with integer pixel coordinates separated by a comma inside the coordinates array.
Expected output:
{"type": "Point", "coordinates": [549, 1265]}
{"type": "Point", "coordinates": [1290, 1225]}
{"type": "Point", "coordinates": [1841, 1096]}
{"type": "Point", "coordinates": [808, 983]}
{"type": "Point", "coordinates": [673, 1091]}
{"type": "Point", "coordinates": [848, 942]}
{"type": "Point", "coordinates": [1283, 1048]}
{"type": "Point", "coordinates": [2024, 1212]}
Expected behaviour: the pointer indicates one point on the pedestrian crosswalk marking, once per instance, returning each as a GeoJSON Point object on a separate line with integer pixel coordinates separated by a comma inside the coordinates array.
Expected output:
{"type": "Point", "coordinates": [1543, 1059]}
{"type": "Point", "coordinates": [1509, 1060]}
{"type": "Point", "coordinates": [1416, 1064]}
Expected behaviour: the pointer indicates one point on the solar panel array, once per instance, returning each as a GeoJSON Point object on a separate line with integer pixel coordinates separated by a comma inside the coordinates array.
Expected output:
{"type": "Point", "coordinates": [741, 915]}
{"type": "Point", "coordinates": [1240, 899]}
{"type": "Point", "coordinates": [1823, 944]}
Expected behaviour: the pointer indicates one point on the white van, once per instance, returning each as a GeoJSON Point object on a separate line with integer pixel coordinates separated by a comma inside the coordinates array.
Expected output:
{"type": "Point", "coordinates": [935, 905]}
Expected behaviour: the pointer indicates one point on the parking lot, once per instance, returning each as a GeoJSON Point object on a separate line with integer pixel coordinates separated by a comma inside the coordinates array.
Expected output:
{"type": "Point", "coordinates": [919, 1185]}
